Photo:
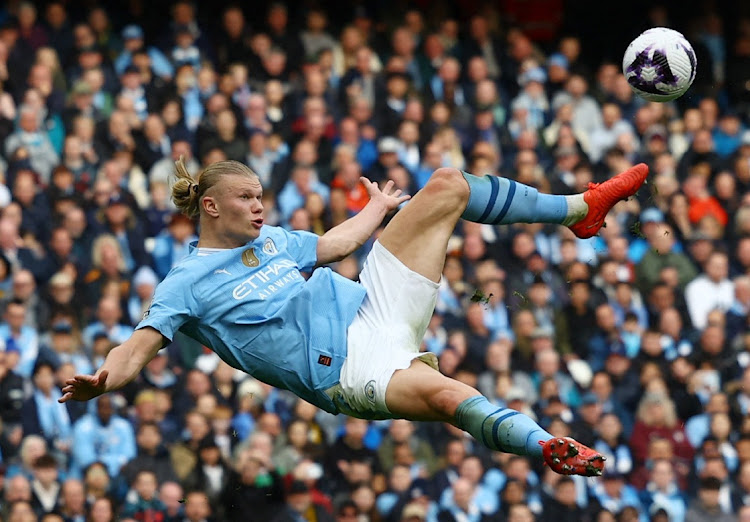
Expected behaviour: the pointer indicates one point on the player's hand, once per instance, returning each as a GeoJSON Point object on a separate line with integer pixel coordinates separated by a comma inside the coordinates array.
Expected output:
{"type": "Point", "coordinates": [387, 196]}
{"type": "Point", "coordinates": [84, 387]}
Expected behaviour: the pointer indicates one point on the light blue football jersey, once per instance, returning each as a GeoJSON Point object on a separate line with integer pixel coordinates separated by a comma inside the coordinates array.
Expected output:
{"type": "Point", "coordinates": [252, 307]}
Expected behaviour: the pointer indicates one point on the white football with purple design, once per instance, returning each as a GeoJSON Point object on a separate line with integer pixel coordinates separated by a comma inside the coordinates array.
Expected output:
{"type": "Point", "coordinates": [660, 64]}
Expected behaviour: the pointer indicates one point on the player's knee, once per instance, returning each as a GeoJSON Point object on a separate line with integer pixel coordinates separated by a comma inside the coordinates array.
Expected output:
{"type": "Point", "coordinates": [444, 401]}
{"type": "Point", "coordinates": [448, 183]}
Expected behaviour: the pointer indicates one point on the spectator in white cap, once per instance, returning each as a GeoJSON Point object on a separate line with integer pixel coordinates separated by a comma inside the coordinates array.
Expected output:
{"type": "Point", "coordinates": [643, 229]}
{"type": "Point", "coordinates": [533, 94]}
{"type": "Point", "coordinates": [144, 284]}
{"type": "Point", "coordinates": [388, 148]}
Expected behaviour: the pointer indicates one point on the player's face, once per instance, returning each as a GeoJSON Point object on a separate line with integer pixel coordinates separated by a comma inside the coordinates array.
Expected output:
{"type": "Point", "coordinates": [238, 201]}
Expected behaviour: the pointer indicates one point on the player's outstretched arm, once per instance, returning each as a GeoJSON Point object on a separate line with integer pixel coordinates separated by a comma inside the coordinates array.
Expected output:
{"type": "Point", "coordinates": [347, 237]}
{"type": "Point", "coordinates": [122, 365]}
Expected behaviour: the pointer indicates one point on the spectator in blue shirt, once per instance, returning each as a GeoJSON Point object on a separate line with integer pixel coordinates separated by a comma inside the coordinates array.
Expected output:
{"type": "Point", "coordinates": [43, 414]}
{"type": "Point", "coordinates": [19, 339]}
{"type": "Point", "coordinates": [102, 436]}
{"type": "Point", "coordinates": [173, 244]}
{"type": "Point", "coordinates": [108, 314]}
{"type": "Point", "coordinates": [614, 494]}
{"type": "Point", "coordinates": [132, 36]}
{"type": "Point", "coordinates": [302, 182]}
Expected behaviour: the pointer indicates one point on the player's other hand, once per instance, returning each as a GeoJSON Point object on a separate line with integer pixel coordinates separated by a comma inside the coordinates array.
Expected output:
{"type": "Point", "coordinates": [84, 387]}
{"type": "Point", "coordinates": [387, 196]}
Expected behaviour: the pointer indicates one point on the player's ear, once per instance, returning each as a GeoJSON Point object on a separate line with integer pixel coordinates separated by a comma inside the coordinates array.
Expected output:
{"type": "Point", "coordinates": [210, 206]}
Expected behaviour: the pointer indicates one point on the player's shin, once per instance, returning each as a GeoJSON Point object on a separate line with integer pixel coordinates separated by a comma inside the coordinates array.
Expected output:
{"type": "Point", "coordinates": [497, 201]}
{"type": "Point", "coordinates": [500, 429]}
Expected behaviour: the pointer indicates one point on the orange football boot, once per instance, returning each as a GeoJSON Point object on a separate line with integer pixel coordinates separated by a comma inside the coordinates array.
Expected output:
{"type": "Point", "coordinates": [569, 457]}
{"type": "Point", "coordinates": [601, 197]}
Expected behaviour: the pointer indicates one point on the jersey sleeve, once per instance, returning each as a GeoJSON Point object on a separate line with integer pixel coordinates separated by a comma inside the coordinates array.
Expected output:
{"type": "Point", "coordinates": [172, 305]}
{"type": "Point", "coordinates": [303, 247]}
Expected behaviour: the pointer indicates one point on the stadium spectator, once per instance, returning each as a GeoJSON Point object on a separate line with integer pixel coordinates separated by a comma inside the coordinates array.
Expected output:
{"type": "Point", "coordinates": [102, 436]}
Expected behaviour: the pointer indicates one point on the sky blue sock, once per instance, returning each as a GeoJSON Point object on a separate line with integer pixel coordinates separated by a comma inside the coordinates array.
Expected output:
{"type": "Point", "coordinates": [500, 429]}
{"type": "Point", "coordinates": [497, 201]}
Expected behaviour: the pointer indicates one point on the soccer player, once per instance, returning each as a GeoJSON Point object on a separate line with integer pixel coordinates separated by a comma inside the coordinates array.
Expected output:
{"type": "Point", "coordinates": [346, 347]}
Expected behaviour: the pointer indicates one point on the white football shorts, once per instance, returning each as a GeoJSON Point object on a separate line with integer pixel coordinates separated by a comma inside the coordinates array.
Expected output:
{"type": "Point", "coordinates": [385, 335]}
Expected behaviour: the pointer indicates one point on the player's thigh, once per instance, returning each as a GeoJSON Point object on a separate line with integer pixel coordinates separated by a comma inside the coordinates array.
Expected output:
{"type": "Point", "coordinates": [418, 234]}
{"type": "Point", "coordinates": [399, 301]}
{"type": "Point", "coordinates": [422, 393]}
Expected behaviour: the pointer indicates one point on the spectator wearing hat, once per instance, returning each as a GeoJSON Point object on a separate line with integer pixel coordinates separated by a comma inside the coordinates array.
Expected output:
{"type": "Point", "coordinates": [44, 415]}
{"type": "Point", "coordinates": [557, 73]}
{"type": "Point", "coordinates": [534, 97]}
{"type": "Point", "coordinates": [645, 228]}
{"type": "Point", "coordinates": [388, 148]}
{"type": "Point", "coordinates": [144, 283]}
{"type": "Point", "coordinates": [133, 40]}
{"type": "Point", "coordinates": [706, 505]}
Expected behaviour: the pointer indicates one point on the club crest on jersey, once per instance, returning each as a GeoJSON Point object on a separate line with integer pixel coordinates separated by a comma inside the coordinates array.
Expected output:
{"type": "Point", "coordinates": [249, 259]}
{"type": "Point", "coordinates": [370, 391]}
{"type": "Point", "coordinates": [269, 247]}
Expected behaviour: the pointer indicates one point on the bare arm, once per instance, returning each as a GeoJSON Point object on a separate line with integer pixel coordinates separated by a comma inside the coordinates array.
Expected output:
{"type": "Point", "coordinates": [123, 364]}
{"type": "Point", "coordinates": [347, 237]}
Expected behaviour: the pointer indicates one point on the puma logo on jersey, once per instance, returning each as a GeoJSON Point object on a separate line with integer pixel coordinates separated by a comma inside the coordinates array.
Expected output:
{"type": "Point", "coordinates": [222, 271]}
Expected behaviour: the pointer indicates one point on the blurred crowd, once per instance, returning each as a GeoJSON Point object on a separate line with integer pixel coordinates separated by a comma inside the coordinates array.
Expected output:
{"type": "Point", "coordinates": [635, 342]}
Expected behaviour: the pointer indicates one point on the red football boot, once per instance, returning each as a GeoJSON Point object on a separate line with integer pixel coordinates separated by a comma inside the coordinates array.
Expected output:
{"type": "Point", "coordinates": [569, 457]}
{"type": "Point", "coordinates": [601, 197]}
